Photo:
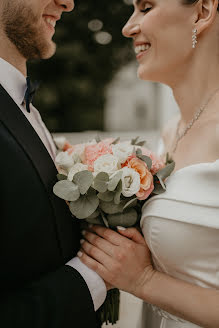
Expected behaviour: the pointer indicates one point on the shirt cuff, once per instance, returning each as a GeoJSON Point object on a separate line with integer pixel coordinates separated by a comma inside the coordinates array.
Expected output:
{"type": "Point", "coordinates": [94, 282]}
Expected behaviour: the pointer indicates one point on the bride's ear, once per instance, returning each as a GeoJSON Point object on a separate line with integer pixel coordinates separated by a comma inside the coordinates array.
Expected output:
{"type": "Point", "coordinates": [206, 14]}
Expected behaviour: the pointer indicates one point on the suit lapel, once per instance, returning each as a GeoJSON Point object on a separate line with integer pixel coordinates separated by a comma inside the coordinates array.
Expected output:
{"type": "Point", "coordinates": [15, 121]}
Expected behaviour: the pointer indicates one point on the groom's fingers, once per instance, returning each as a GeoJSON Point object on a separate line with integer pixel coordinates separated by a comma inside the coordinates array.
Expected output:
{"type": "Point", "coordinates": [100, 243]}
{"type": "Point", "coordinates": [97, 254]}
{"type": "Point", "coordinates": [99, 262]}
{"type": "Point", "coordinates": [94, 265]}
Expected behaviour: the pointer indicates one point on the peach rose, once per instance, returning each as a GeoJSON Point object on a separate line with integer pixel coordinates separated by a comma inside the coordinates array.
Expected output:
{"type": "Point", "coordinates": [146, 178]}
{"type": "Point", "coordinates": [93, 152]}
{"type": "Point", "coordinates": [157, 163]}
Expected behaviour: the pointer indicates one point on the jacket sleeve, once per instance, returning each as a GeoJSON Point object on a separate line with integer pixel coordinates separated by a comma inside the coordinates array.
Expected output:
{"type": "Point", "coordinates": [60, 298]}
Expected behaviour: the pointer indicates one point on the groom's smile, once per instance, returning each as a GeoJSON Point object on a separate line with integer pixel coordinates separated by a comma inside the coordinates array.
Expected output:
{"type": "Point", "coordinates": [30, 25]}
{"type": "Point", "coordinates": [50, 22]}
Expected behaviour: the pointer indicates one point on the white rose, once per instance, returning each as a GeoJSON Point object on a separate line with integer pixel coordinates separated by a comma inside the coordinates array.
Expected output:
{"type": "Point", "coordinates": [106, 163]}
{"type": "Point", "coordinates": [60, 142]}
{"type": "Point", "coordinates": [79, 167]}
{"type": "Point", "coordinates": [64, 160]}
{"type": "Point", "coordinates": [131, 182]}
{"type": "Point", "coordinates": [122, 151]}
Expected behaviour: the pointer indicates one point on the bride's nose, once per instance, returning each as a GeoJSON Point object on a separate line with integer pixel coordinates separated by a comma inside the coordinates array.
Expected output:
{"type": "Point", "coordinates": [131, 29]}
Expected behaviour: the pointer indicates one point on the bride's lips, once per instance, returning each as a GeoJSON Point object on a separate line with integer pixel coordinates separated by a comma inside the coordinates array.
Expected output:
{"type": "Point", "coordinates": [141, 49]}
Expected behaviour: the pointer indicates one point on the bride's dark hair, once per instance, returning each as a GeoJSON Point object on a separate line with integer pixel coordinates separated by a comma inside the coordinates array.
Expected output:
{"type": "Point", "coordinates": [190, 2]}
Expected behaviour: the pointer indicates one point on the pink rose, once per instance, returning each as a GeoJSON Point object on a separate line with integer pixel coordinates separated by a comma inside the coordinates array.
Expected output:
{"type": "Point", "coordinates": [93, 152]}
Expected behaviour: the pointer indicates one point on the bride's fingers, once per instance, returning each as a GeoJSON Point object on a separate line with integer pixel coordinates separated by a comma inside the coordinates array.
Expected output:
{"type": "Point", "coordinates": [109, 235]}
{"type": "Point", "coordinates": [133, 234]}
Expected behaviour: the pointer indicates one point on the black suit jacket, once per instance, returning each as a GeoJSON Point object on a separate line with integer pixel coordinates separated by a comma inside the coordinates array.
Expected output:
{"type": "Point", "coordinates": [37, 235]}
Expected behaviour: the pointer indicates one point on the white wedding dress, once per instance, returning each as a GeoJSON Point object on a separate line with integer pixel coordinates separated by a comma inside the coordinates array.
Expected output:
{"type": "Point", "coordinates": [181, 228]}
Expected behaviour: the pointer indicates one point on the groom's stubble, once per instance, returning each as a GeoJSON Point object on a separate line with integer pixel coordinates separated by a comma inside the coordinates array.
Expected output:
{"type": "Point", "coordinates": [21, 26]}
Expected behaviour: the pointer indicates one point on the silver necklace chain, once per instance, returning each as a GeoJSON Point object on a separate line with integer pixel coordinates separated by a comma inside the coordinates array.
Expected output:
{"type": "Point", "coordinates": [193, 120]}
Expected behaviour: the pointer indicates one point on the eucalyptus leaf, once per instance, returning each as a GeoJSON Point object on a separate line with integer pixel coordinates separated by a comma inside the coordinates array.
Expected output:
{"type": "Point", "coordinates": [106, 196]}
{"type": "Point", "coordinates": [134, 141]}
{"type": "Point", "coordinates": [111, 207]}
{"type": "Point", "coordinates": [165, 172]}
{"type": "Point", "coordinates": [113, 183]}
{"type": "Point", "coordinates": [94, 215]}
{"type": "Point", "coordinates": [116, 141]}
{"type": "Point", "coordinates": [138, 152]}
{"type": "Point", "coordinates": [146, 159]}
{"type": "Point", "coordinates": [61, 177]}
{"type": "Point", "coordinates": [158, 189]}
{"type": "Point", "coordinates": [126, 219]}
{"type": "Point", "coordinates": [104, 219]}
{"type": "Point", "coordinates": [141, 143]}
{"type": "Point", "coordinates": [97, 220]}
{"type": "Point", "coordinates": [101, 182]}
{"type": "Point", "coordinates": [66, 190]}
{"type": "Point", "coordinates": [85, 205]}
{"type": "Point", "coordinates": [98, 139]}
{"type": "Point", "coordinates": [83, 180]}
{"type": "Point", "coordinates": [118, 193]}
{"type": "Point", "coordinates": [132, 203]}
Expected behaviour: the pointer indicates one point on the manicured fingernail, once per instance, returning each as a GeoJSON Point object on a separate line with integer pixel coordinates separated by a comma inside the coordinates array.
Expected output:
{"type": "Point", "coordinates": [82, 241]}
{"type": "Point", "coordinates": [79, 254]}
{"type": "Point", "coordinates": [121, 228]}
{"type": "Point", "coordinates": [83, 232]}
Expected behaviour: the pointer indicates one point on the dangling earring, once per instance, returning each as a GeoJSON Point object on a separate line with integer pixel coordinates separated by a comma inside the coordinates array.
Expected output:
{"type": "Point", "coordinates": [194, 38]}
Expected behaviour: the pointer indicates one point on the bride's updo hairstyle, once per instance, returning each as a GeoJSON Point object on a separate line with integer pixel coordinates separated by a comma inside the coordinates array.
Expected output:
{"type": "Point", "coordinates": [190, 2]}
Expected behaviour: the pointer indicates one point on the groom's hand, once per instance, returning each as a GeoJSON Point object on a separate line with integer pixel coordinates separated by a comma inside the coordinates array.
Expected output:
{"type": "Point", "coordinates": [122, 259]}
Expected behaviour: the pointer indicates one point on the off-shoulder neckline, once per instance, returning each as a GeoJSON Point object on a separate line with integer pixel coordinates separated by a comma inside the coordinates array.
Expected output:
{"type": "Point", "coordinates": [191, 166]}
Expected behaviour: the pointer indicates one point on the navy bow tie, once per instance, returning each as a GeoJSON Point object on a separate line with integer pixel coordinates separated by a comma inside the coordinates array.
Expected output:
{"type": "Point", "coordinates": [30, 92]}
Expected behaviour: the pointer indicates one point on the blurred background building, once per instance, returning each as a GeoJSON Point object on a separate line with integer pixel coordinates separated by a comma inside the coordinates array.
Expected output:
{"type": "Point", "coordinates": [91, 87]}
{"type": "Point", "coordinates": [91, 83]}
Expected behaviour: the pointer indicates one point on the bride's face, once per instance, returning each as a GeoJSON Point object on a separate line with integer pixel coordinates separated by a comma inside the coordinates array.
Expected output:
{"type": "Point", "coordinates": [162, 35]}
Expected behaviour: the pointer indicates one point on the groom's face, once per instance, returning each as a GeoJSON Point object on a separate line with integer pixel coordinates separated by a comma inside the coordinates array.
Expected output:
{"type": "Point", "coordinates": [30, 24]}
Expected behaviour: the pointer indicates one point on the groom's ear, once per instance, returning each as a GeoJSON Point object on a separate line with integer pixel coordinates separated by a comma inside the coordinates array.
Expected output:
{"type": "Point", "coordinates": [206, 14]}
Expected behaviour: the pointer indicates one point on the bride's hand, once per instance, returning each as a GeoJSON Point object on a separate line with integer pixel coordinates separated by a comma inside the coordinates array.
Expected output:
{"type": "Point", "coordinates": [122, 259]}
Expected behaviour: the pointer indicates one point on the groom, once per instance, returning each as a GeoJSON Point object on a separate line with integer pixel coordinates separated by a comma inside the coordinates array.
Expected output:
{"type": "Point", "coordinates": [42, 283]}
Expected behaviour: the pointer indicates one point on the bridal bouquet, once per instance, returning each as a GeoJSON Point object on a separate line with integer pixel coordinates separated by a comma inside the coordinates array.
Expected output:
{"type": "Point", "coordinates": [106, 182]}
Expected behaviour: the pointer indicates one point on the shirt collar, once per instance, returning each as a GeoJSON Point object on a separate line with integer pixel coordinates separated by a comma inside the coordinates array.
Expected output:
{"type": "Point", "coordinates": [13, 81]}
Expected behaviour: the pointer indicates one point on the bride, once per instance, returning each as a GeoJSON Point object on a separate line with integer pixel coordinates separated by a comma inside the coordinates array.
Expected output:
{"type": "Point", "coordinates": [175, 267]}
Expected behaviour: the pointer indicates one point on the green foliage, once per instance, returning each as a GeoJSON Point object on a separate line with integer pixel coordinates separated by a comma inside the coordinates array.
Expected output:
{"type": "Point", "coordinates": [144, 158]}
{"type": "Point", "coordinates": [71, 96]}
{"type": "Point", "coordinates": [61, 177]}
{"type": "Point", "coordinates": [126, 219]}
{"type": "Point", "coordinates": [66, 190]}
{"type": "Point", "coordinates": [101, 182]}
{"type": "Point", "coordinates": [85, 205]}
{"type": "Point", "coordinates": [111, 207]}
{"type": "Point", "coordinates": [114, 181]}
{"type": "Point", "coordinates": [83, 180]}
{"type": "Point", "coordinates": [106, 196]}
{"type": "Point", "coordinates": [164, 173]}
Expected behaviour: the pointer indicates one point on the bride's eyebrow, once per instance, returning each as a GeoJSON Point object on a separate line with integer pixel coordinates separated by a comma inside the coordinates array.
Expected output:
{"type": "Point", "coordinates": [137, 3]}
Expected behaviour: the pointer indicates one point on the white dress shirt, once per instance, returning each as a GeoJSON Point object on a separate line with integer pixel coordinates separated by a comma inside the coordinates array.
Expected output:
{"type": "Point", "coordinates": [14, 82]}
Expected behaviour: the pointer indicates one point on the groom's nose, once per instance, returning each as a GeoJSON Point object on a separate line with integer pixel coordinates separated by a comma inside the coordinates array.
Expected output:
{"type": "Point", "coordinates": [66, 5]}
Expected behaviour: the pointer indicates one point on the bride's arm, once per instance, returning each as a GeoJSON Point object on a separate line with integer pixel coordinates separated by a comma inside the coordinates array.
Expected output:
{"type": "Point", "coordinates": [126, 264]}
{"type": "Point", "coordinates": [187, 301]}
